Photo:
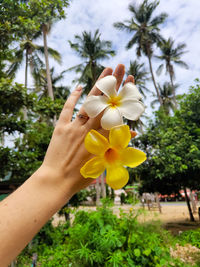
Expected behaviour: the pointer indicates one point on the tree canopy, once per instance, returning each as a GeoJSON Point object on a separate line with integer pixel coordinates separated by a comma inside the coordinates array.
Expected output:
{"type": "Point", "coordinates": [173, 147]}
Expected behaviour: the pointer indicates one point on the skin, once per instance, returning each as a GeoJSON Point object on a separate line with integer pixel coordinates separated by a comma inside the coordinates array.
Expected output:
{"type": "Point", "coordinates": [26, 210]}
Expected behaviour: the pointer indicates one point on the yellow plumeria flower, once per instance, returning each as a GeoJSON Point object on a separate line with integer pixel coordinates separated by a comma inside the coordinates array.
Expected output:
{"type": "Point", "coordinates": [112, 155]}
{"type": "Point", "coordinates": [115, 106]}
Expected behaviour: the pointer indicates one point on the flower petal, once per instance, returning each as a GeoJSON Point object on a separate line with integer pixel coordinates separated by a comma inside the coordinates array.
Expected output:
{"type": "Point", "coordinates": [107, 85]}
{"type": "Point", "coordinates": [130, 91]}
{"type": "Point", "coordinates": [131, 109]}
{"type": "Point", "coordinates": [111, 118]}
{"type": "Point", "coordinates": [132, 157]}
{"type": "Point", "coordinates": [93, 105]}
{"type": "Point", "coordinates": [93, 168]}
{"type": "Point", "coordinates": [117, 177]}
{"type": "Point", "coordinates": [120, 136]}
{"type": "Point", "coordinates": [96, 143]}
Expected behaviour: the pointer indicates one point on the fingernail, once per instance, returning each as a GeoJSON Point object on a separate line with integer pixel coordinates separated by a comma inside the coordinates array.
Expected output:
{"type": "Point", "coordinates": [79, 88]}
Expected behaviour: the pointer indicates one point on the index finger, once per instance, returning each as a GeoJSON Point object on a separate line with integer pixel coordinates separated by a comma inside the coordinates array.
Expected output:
{"type": "Point", "coordinates": [95, 90]}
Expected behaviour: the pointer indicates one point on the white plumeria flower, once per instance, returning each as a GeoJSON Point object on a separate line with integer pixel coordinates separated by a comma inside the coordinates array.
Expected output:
{"type": "Point", "coordinates": [116, 106]}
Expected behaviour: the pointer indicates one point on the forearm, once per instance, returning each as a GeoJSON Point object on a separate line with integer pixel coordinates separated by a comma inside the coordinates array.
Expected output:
{"type": "Point", "coordinates": [25, 211]}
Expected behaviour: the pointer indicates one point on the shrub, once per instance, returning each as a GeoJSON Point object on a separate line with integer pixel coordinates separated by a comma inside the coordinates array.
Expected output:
{"type": "Point", "coordinates": [100, 238]}
{"type": "Point", "coordinates": [191, 236]}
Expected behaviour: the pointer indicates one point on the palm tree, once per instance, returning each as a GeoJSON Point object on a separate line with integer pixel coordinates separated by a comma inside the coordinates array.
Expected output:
{"type": "Point", "coordinates": [85, 78]}
{"type": "Point", "coordinates": [145, 29]}
{"type": "Point", "coordinates": [166, 93]}
{"type": "Point", "coordinates": [170, 55]}
{"type": "Point", "coordinates": [40, 82]}
{"type": "Point", "coordinates": [140, 76]}
{"type": "Point", "coordinates": [137, 125]}
{"type": "Point", "coordinates": [30, 52]}
{"type": "Point", "coordinates": [91, 49]}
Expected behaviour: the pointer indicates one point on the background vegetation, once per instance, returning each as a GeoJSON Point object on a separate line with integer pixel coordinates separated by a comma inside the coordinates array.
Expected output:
{"type": "Point", "coordinates": [171, 138]}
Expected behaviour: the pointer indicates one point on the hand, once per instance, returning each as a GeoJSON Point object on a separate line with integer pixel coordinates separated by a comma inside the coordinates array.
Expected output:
{"type": "Point", "coordinates": [26, 210]}
{"type": "Point", "coordinates": [66, 153]}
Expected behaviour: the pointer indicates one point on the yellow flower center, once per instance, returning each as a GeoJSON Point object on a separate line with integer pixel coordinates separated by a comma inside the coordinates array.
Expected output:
{"type": "Point", "coordinates": [111, 155]}
{"type": "Point", "coordinates": [114, 101]}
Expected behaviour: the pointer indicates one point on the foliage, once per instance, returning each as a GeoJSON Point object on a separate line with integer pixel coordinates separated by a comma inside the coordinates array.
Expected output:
{"type": "Point", "coordinates": [91, 49]}
{"type": "Point", "coordinates": [191, 236]}
{"type": "Point", "coordinates": [173, 147]}
{"type": "Point", "coordinates": [29, 52]}
{"type": "Point", "coordinates": [40, 81]}
{"type": "Point", "coordinates": [99, 238]}
{"type": "Point", "coordinates": [129, 198]}
{"type": "Point", "coordinates": [75, 201]}
{"type": "Point", "coordinates": [28, 150]}
{"type": "Point", "coordinates": [45, 108]}
{"type": "Point", "coordinates": [48, 238]}
{"type": "Point", "coordinates": [25, 18]}
{"type": "Point", "coordinates": [140, 75]}
{"type": "Point", "coordinates": [13, 97]}
{"type": "Point", "coordinates": [171, 54]}
{"type": "Point", "coordinates": [144, 26]}
{"type": "Point", "coordinates": [167, 96]}
{"type": "Point", "coordinates": [28, 153]}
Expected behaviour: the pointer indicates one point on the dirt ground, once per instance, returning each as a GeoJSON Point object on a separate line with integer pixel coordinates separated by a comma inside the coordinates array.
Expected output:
{"type": "Point", "coordinates": [173, 217]}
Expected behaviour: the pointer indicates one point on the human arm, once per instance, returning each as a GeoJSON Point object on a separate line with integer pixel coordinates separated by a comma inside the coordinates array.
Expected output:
{"type": "Point", "coordinates": [25, 211]}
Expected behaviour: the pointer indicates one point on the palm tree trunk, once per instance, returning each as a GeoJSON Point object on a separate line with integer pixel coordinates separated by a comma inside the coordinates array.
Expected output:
{"type": "Point", "coordinates": [103, 186]}
{"type": "Point", "coordinates": [26, 83]}
{"type": "Point", "coordinates": [93, 70]}
{"type": "Point", "coordinates": [173, 88]}
{"type": "Point", "coordinates": [49, 83]}
{"type": "Point", "coordinates": [97, 192]}
{"type": "Point", "coordinates": [2, 139]}
{"type": "Point", "coordinates": [26, 69]}
{"type": "Point", "coordinates": [153, 79]}
{"type": "Point", "coordinates": [188, 204]}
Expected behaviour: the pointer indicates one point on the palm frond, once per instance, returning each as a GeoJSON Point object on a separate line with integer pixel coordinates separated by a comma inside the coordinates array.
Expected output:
{"type": "Point", "coordinates": [52, 52]}
{"type": "Point", "coordinates": [159, 69]}
{"type": "Point", "coordinates": [15, 63]}
{"type": "Point", "coordinates": [91, 49]}
{"type": "Point", "coordinates": [181, 64]}
{"type": "Point", "coordinates": [133, 41]}
{"type": "Point", "coordinates": [75, 67]}
{"type": "Point", "coordinates": [122, 26]}
{"type": "Point", "coordinates": [158, 19]}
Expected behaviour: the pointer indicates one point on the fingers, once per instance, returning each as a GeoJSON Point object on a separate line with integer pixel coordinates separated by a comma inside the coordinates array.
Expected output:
{"type": "Point", "coordinates": [94, 91]}
{"type": "Point", "coordinates": [119, 72]}
{"type": "Point", "coordinates": [68, 109]}
{"type": "Point", "coordinates": [133, 134]}
{"type": "Point", "coordinates": [119, 75]}
{"type": "Point", "coordinates": [129, 79]}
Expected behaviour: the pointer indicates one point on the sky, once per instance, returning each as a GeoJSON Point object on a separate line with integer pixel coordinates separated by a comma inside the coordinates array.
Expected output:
{"type": "Point", "coordinates": [182, 24]}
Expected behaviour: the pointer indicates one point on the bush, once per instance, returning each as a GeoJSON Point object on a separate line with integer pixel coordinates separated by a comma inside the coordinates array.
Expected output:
{"type": "Point", "coordinates": [191, 236]}
{"type": "Point", "coordinates": [99, 238]}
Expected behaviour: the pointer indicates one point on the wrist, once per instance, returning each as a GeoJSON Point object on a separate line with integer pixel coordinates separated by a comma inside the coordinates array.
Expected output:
{"type": "Point", "coordinates": [55, 183]}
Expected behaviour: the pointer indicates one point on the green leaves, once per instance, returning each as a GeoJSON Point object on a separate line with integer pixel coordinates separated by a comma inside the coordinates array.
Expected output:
{"type": "Point", "coordinates": [99, 238]}
{"type": "Point", "coordinates": [173, 147]}
{"type": "Point", "coordinates": [13, 97]}
{"type": "Point", "coordinates": [137, 252]}
{"type": "Point", "coordinates": [91, 49]}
